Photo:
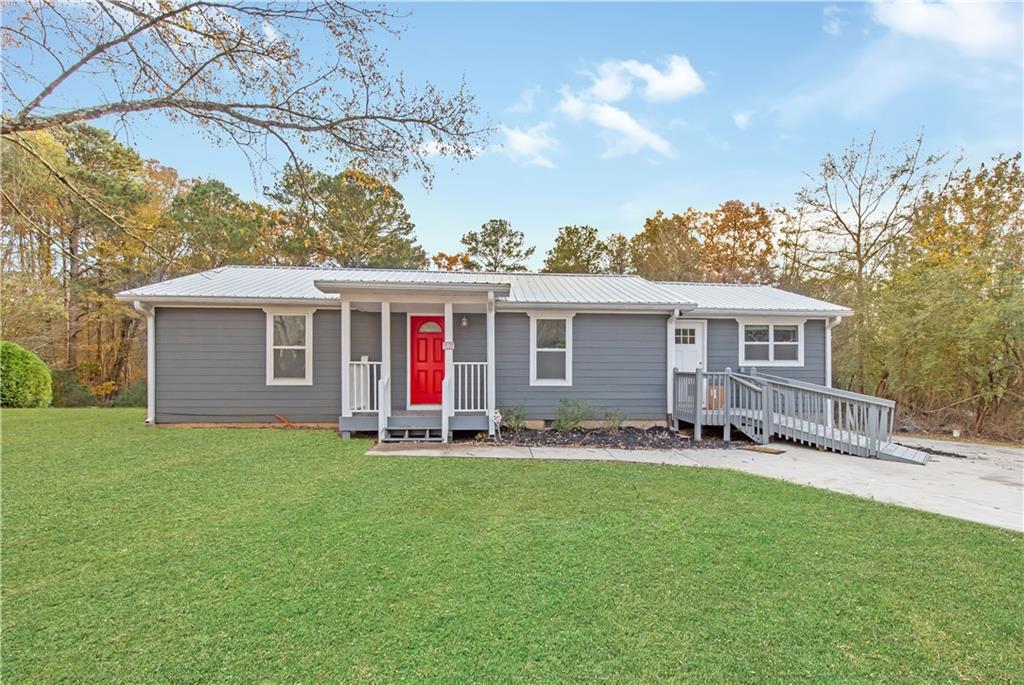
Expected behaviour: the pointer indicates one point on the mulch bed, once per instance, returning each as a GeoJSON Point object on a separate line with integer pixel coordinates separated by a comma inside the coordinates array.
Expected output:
{"type": "Point", "coordinates": [624, 438]}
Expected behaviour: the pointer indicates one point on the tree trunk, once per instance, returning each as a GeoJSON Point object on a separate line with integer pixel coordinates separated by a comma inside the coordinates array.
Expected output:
{"type": "Point", "coordinates": [71, 274]}
{"type": "Point", "coordinates": [118, 373]}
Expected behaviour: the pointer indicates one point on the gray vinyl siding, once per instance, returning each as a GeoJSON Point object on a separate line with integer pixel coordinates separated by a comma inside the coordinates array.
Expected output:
{"type": "Point", "coordinates": [618, 362]}
{"type": "Point", "coordinates": [723, 351]}
{"type": "Point", "coordinates": [211, 367]}
{"type": "Point", "coordinates": [471, 341]}
{"type": "Point", "coordinates": [211, 363]}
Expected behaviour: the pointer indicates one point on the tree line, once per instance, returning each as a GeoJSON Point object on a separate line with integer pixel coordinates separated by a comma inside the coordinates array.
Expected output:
{"type": "Point", "coordinates": [929, 254]}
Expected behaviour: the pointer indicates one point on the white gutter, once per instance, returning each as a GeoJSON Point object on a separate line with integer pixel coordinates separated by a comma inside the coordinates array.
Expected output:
{"type": "Point", "coordinates": [199, 301]}
{"type": "Point", "coordinates": [814, 313]}
{"type": "Point", "coordinates": [602, 307]}
{"type": "Point", "coordinates": [670, 371]}
{"type": "Point", "coordinates": [150, 313]}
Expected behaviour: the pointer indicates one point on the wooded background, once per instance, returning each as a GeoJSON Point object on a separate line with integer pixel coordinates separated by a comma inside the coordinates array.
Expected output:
{"type": "Point", "coordinates": [928, 252]}
{"type": "Point", "coordinates": [929, 255]}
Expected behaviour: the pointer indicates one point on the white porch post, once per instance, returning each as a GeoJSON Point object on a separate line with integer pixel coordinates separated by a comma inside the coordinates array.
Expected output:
{"type": "Point", "coordinates": [150, 313]}
{"type": "Point", "coordinates": [384, 399]}
{"type": "Point", "coordinates": [447, 386]}
{"type": "Point", "coordinates": [490, 365]}
{"type": "Point", "coordinates": [346, 357]}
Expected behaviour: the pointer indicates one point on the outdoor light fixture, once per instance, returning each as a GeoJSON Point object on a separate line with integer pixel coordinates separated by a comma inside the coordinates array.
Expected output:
{"type": "Point", "coordinates": [464, 322]}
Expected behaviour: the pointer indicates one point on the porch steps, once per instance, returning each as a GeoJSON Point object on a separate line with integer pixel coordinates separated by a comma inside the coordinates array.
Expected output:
{"type": "Point", "coordinates": [413, 435]}
{"type": "Point", "coordinates": [416, 428]}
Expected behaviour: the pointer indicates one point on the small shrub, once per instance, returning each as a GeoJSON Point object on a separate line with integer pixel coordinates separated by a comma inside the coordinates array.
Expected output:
{"type": "Point", "coordinates": [513, 418]}
{"type": "Point", "coordinates": [612, 420]}
{"type": "Point", "coordinates": [24, 379]}
{"type": "Point", "coordinates": [570, 414]}
{"type": "Point", "coordinates": [134, 395]}
{"type": "Point", "coordinates": [68, 392]}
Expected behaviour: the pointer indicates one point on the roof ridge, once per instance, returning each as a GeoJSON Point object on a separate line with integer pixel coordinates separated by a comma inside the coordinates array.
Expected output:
{"type": "Point", "coordinates": [421, 271]}
{"type": "Point", "coordinates": [735, 285]}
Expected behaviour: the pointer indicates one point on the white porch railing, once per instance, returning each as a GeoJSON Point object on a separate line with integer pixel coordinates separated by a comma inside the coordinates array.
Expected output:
{"type": "Point", "coordinates": [363, 379]}
{"type": "Point", "coordinates": [470, 386]}
{"type": "Point", "coordinates": [447, 407]}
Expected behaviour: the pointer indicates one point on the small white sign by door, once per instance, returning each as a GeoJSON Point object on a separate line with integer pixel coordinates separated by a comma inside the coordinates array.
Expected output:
{"type": "Point", "coordinates": [448, 345]}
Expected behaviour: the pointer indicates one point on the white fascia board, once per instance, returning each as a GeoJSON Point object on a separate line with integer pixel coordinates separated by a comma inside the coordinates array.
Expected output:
{"type": "Point", "coordinates": [251, 302]}
{"type": "Point", "coordinates": [768, 313]}
{"type": "Point", "coordinates": [527, 307]}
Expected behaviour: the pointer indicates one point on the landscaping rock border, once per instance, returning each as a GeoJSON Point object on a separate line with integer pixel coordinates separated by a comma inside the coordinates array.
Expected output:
{"type": "Point", "coordinates": [624, 438]}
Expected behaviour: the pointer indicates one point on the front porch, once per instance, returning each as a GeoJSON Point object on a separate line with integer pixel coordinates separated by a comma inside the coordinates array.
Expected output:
{"type": "Point", "coordinates": [417, 366]}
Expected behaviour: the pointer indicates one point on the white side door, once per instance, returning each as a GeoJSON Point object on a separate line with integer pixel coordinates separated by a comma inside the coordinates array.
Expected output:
{"type": "Point", "coordinates": [689, 345]}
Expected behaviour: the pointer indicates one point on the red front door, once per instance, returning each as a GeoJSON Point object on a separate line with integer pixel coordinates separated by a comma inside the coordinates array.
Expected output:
{"type": "Point", "coordinates": [426, 360]}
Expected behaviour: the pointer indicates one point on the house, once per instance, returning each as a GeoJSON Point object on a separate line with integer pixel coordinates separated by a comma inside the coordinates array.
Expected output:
{"type": "Point", "coordinates": [372, 349]}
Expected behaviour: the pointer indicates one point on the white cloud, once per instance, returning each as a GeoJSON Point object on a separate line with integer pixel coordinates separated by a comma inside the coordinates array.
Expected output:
{"type": "Point", "coordinates": [976, 28]}
{"type": "Point", "coordinates": [615, 79]}
{"type": "Point", "coordinates": [530, 145]}
{"type": "Point", "coordinates": [741, 119]}
{"type": "Point", "coordinates": [526, 100]}
{"type": "Point", "coordinates": [269, 32]}
{"type": "Point", "coordinates": [629, 135]}
{"type": "Point", "coordinates": [832, 22]}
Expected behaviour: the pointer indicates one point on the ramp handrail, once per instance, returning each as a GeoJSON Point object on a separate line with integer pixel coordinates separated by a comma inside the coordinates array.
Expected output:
{"type": "Point", "coordinates": [763, 405]}
{"type": "Point", "coordinates": [847, 394]}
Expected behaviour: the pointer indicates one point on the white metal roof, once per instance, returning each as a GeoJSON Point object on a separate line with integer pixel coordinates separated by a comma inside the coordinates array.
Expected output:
{"type": "Point", "coordinates": [300, 284]}
{"type": "Point", "coordinates": [736, 298]}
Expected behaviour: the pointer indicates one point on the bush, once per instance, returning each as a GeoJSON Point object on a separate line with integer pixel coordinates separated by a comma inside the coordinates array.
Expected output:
{"type": "Point", "coordinates": [513, 418]}
{"type": "Point", "coordinates": [134, 395]}
{"type": "Point", "coordinates": [570, 414]}
{"type": "Point", "coordinates": [612, 420]}
{"type": "Point", "coordinates": [68, 392]}
{"type": "Point", "coordinates": [24, 379]}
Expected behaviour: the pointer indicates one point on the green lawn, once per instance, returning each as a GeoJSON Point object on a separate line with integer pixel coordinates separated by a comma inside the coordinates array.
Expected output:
{"type": "Point", "coordinates": [199, 555]}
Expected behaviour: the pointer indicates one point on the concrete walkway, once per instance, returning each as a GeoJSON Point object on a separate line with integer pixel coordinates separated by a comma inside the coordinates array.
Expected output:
{"type": "Point", "coordinates": [986, 486]}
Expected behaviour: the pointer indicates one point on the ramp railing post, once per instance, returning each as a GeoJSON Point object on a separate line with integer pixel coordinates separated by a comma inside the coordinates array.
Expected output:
{"type": "Point", "coordinates": [727, 398]}
{"type": "Point", "coordinates": [698, 405]}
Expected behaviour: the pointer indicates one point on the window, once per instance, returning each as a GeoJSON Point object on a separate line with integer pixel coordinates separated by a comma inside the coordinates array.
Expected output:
{"type": "Point", "coordinates": [429, 327]}
{"type": "Point", "coordinates": [289, 347]}
{"type": "Point", "coordinates": [686, 336]}
{"type": "Point", "coordinates": [550, 350]}
{"type": "Point", "coordinates": [772, 344]}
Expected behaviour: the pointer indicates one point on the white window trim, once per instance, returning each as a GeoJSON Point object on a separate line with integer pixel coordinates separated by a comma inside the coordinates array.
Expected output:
{"type": "Point", "coordinates": [289, 311]}
{"type": "Point", "coordinates": [567, 317]}
{"type": "Point", "coordinates": [771, 323]}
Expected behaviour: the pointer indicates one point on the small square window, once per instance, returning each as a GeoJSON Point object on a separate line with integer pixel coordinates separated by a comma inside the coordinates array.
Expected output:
{"type": "Point", "coordinates": [786, 334]}
{"type": "Point", "coordinates": [550, 334]}
{"type": "Point", "coordinates": [755, 334]}
{"type": "Point", "coordinates": [686, 336]}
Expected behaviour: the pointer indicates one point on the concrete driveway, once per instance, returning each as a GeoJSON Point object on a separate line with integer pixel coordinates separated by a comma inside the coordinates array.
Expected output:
{"type": "Point", "coordinates": [985, 485]}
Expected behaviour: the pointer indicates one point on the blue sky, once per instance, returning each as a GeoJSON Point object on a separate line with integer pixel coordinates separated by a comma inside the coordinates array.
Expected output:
{"type": "Point", "coordinates": [605, 113]}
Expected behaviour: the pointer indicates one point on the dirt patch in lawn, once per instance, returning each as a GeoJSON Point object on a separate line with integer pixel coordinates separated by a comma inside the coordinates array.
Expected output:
{"type": "Point", "coordinates": [625, 438]}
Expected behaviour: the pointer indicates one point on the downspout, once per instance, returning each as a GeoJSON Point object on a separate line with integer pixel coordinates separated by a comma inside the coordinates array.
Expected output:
{"type": "Point", "coordinates": [829, 325]}
{"type": "Point", "coordinates": [670, 375]}
{"type": "Point", "coordinates": [150, 313]}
